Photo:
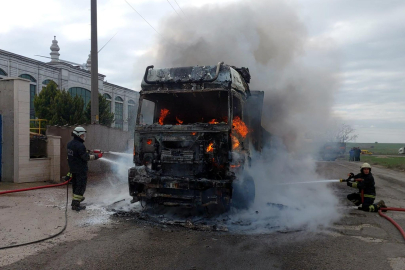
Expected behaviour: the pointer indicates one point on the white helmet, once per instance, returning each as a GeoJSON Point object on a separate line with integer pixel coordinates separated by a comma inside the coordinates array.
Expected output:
{"type": "Point", "coordinates": [365, 165]}
{"type": "Point", "coordinates": [78, 131]}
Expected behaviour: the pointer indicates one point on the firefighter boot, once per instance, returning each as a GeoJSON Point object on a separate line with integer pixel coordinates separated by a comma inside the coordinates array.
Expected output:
{"type": "Point", "coordinates": [76, 206]}
{"type": "Point", "coordinates": [381, 204]}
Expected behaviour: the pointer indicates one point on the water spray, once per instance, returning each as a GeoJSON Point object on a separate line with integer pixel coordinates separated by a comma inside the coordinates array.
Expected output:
{"type": "Point", "coordinates": [318, 181]}
{"type": "Point", "coordinates": [121, 154]}
{"type": "Point", "coordinates": [109, 160]}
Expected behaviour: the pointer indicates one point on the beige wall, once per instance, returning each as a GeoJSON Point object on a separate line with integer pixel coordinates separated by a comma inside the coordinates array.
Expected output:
{"type": "Point", "coordinates": [17, 119]}
{"type": "Point", "coordinates": [97, 137]}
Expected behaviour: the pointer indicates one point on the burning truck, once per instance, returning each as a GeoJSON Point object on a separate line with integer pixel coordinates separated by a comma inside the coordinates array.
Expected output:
{"type": "Point", "coordinates": [195, 131]}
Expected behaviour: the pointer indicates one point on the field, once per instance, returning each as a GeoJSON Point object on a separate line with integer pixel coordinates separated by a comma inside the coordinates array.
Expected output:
{"type": "Point", "coordinates": [386, 161]}
{"type": "Point", "coordinates": [377, 148]}
{"type": "Point", "coordinates": [384, 154]}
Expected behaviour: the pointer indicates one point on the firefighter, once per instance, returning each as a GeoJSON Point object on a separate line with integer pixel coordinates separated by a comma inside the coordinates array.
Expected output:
{"type": "Point", "coordinates": [366, 185]}
{"type": "Point", "coordinates": [77, 159]}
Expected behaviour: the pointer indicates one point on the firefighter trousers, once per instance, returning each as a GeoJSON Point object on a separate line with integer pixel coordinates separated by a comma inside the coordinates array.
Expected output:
{"type": "Point", "coordinates": [368, 204]}
{"type": "Point", "coordinates": [79, 182]}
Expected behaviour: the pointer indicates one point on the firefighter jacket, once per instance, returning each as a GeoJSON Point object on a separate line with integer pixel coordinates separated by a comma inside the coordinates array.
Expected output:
{"type": "Point", "coordinates": [367, 185]}
{"type": "Point", "coordinates": [77, 156]}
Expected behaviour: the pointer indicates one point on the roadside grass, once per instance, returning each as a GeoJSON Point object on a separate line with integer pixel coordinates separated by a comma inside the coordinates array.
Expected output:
{"type": "Point", "coordinates": [388, 162]}
{"type": "Point", "coordinates": [377, 148]}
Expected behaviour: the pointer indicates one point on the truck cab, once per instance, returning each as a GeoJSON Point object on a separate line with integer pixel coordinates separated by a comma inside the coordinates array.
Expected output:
{"type": "Point", "coordinates": [192, 140]}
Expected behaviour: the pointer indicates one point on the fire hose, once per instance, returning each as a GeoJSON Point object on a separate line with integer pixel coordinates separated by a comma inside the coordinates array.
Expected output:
{"type": "Point", "coordinates": [41, 187]}
{"type": "Point", "coordinates": [390, 219]}
{"type": "Point", "coordinates": [95, 151]}
{"type": "Point", "coordinates": [381, 210]}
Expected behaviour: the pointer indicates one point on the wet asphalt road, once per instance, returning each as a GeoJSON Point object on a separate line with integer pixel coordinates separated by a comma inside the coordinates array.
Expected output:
{"type": "Point", "coordinates": [359, 240]}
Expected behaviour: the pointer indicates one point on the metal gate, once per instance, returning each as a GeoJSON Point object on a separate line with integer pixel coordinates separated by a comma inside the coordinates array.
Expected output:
{"type": "Point", "coordinates": [1, 143]}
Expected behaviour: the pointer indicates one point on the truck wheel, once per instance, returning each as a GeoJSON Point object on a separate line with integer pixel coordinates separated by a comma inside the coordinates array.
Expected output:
{"type": "Point", "coordinates": [244, 193]}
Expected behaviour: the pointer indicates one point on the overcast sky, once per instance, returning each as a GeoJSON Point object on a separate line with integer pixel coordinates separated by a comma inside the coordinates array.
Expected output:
{"type": "Point", "coordinates": [367, 39]}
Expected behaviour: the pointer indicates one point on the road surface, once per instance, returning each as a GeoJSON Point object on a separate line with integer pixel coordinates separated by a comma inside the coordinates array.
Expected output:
{"type": "Point", "coordinates": [359, 240]}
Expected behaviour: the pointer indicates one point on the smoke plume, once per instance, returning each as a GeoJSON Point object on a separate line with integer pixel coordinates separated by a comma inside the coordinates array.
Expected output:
{"type": "Point", "coordinates": [297, 73]}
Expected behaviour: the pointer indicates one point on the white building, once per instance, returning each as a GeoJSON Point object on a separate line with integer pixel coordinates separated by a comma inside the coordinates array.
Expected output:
{"type": "Point", "coordinates": [74, 78]}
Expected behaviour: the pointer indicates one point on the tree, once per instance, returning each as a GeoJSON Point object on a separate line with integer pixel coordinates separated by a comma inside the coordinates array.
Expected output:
{"type": "Point", "coordinates": [43, 103]}
{"type": "Point", "coordinates": [67, 110]}
{"type": "Point", "coordinates": [345, 133]}
{"type": "Point", "coordinates": [106, 117]}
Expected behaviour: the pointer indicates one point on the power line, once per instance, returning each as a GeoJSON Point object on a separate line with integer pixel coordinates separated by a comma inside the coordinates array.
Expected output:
{"type": "Point", "coordinates": [180, 7]}
{"type": "Point", "coordinates": [173, 8]}
{"type": "Point", "coordinates": [107, 42]}
{"type": "Point", "coordinates": [141, 17]}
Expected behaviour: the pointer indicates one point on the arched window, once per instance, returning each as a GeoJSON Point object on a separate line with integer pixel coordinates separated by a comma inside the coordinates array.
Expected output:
{"type": "Point", "coordinates": [108, 98]}
{"type": "Point", "coordinates": [2, 72]}
{"type": "Point", "coordinates": [28, 77]}
{"type": "Point", "coordinates": [48, 81]}
{"type": "Point", "coordinates": [119, 112]}
{"type": "Point", "coordinates": [33, 90]}
{"type": "Point", "coordinates": [81, 92]}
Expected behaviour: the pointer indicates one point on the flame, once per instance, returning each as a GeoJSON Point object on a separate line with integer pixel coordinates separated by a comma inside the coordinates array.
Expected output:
{"type": "Point", "coordinates": [163, 114]}
{"type": "Point", "coordinates": [193, 133]}
{"type": "Point", "coordinates": [210, 147]}
{"type": "Point", "coordinates": [179, 122]}
{"type": "Point", "coordinates": [235, 166]}
{"type": "Point", "coordinates": [240, 126]}
{"type": "Point", "coordinates": [213, 122]}
{"type": "Point", "coordinates": [235, 142]}
{"type": "Point", "coordinates": [149, 141]}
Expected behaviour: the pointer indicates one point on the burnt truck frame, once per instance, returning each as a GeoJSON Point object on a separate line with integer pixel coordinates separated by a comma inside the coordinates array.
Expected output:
{"type": "Point", "coordinates": [187, 151]}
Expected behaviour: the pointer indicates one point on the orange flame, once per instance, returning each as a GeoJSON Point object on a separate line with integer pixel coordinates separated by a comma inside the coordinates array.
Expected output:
{"type": "Point", "coordinates": [210, 147]}
{"type": "Point", "coordinates": [235, 142]}
{"type": "Point", "coordinates": [149, 141]}
{"type": "Point", "coordinates": [163, 114]}
{"type": "Point", "coordinates": [179, 122]}
{"type": "Point", "coordinates": [213, 122]}
{"type": "Point", "coordinates": [193, 133]}
{"type": "Point", "coordinates": [240, 126]}
{"type": "Point", "coordinates": [235, 166]}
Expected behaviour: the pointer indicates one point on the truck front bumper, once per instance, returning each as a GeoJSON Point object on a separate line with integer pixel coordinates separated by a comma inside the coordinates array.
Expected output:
{"type": "Point", "coordinates": [178, 191]}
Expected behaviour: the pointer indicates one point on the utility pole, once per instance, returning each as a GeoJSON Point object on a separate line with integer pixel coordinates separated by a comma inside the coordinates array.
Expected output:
{"type": "Point", "coordinates": [94, 64]}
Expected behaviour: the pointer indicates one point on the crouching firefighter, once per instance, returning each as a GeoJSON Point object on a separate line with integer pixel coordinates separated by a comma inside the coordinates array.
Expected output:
{"type": "Point", "coordinates": [364, 181]}
{"type": "Point", "coordinates": [77, 159]}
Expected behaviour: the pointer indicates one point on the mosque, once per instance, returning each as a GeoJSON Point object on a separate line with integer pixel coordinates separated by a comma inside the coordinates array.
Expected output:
{"type": "Point", "coordinates": [72, 77]}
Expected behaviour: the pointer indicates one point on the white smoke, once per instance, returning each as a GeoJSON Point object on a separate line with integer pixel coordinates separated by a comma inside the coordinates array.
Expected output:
{"type": "Point", "coordinates": [296, 72]}
{"type": "Point", "coordinates": [278, 206]}
{"type": "Point", "coordinates": [112, 191]}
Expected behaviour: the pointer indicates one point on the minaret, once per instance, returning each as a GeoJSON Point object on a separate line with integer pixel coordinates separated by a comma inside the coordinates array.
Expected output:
{"type": "Point", "coordinates": [54, 50]}
{"type": "Point", "coordinates": [88, 63]}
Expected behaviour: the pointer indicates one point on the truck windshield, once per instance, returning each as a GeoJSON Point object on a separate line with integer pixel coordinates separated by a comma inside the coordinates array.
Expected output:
{"type": "Point", "coordinates": [185, 108]}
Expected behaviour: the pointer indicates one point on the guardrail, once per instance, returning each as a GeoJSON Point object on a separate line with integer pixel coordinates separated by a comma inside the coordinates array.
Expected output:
{"type": "Point", "coordinates": [38, 126]}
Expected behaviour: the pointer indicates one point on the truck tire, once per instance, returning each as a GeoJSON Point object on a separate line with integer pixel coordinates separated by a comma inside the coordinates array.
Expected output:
{"type": "Point", "coordinates": [244, 192]}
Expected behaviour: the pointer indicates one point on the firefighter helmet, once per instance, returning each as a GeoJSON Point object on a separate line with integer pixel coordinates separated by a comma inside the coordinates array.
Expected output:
{"type": "Point", "coordinates": [365, 165]}
{"type": "Point", "coordinates": [78, 131]}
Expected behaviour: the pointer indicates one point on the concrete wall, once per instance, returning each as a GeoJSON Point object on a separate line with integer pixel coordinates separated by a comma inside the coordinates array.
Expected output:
{"type": "Point", "coordinates": [98, 137]}
{"type": "Point", "coordinates": [17, 165]}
